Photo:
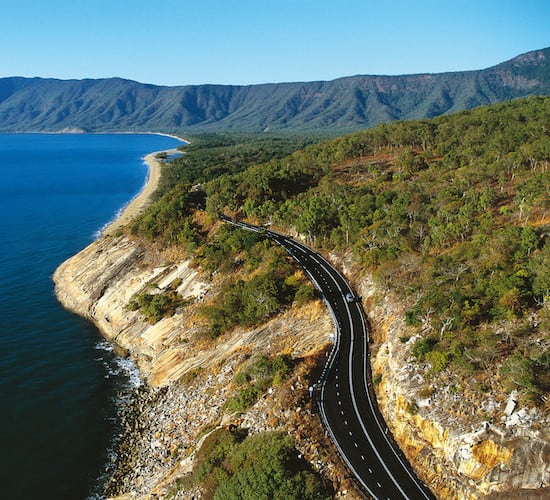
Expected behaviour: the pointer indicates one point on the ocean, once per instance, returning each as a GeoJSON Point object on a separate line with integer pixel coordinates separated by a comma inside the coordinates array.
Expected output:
{"type": "Point", "coordinates": [59, 380]}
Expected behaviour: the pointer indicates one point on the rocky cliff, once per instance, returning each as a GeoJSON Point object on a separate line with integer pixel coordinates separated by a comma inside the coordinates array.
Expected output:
{"type": "Point", "coordinates": [464, 441]}
{"type": "Point", "coordinates": [99, 282]}
{"type": "Point", "coordinates": [189, 377]}
{"type": "Point", "coordinates": [461, 444]}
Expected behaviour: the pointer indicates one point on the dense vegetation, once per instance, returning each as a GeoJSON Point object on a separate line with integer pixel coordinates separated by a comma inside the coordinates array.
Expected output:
{"type": "Point", "coordinates": [232, 465]}
{"type": "Point", "coordinates": [212, 155]}
{"type": "Point", "coordinates": [260, 280]}
{"type": "Point", "coordinates": [451, 213]}
{"type": "Point", "coordinates": [345, 104]}
{"type": "Point", "coordinates": [170, 218]}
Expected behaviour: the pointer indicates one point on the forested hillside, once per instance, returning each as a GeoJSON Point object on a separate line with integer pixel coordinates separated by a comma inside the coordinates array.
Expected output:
{"type": "Point", "coordinates": [345, 104]}
{"type": "Point", "coordinates": [452, 213]}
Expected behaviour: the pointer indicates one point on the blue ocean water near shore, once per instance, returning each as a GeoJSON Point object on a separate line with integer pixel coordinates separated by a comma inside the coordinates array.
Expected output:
{"type": "Point", "coordinates": [58, 378]}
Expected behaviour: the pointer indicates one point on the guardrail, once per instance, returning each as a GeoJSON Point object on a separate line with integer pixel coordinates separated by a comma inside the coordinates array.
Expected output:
{"type": "Point", "coordinates": [318, 396]}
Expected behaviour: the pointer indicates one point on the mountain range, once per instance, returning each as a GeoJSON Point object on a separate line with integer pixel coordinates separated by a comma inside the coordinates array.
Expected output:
{"type": "Point", "coordinates": [344, 104]}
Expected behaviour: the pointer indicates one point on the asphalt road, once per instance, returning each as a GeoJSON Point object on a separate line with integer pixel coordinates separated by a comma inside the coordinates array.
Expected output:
{"type": "Point", "coordinates": [345, 398]}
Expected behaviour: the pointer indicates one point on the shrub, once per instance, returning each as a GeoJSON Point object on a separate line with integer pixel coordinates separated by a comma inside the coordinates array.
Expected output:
{"type": "Point", "coordinates": [267, 465]}
{"type": "Point", "coordinates": [439, 360]}
{"type": "Point", "coordinates": [156, 306]}
{"type": "Point", "coordinates": [215, 448]}
{"type": "Point", "coordinates": [518, 372]}
{"type": "Point", "coordinates": [422, 347]}
{"type": "Point", "coordinates": [258, 374]}
{"type": "Point", "coordinates": [244, 399]}
{"type": "Point", "coordinates": [304, 294]}
{"type": "Point", "coordinates": [232, 465]}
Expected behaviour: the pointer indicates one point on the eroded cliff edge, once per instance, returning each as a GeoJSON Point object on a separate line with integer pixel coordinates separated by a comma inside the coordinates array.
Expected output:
{"type": "Point", "coordinates": [99, 282]}
{"type": "Point", "coordinates": [190, 377]}
{"type": "Point", "coordinates": [462, 446]}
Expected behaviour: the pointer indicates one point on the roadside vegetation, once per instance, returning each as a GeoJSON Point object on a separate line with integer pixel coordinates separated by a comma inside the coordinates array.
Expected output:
{"type": "Point", "coordinates": [258, 279]}
{"type": "Point", "coordinates": [232, 465]}
{"type": "Point", "coordinates": [452, 214]}
{"type": "Point", "coordinates": [169, 220]}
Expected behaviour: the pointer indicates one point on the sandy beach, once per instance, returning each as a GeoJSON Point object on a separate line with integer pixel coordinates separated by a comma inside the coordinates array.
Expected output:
{"type": "Point", "coordinates": [142, 200]}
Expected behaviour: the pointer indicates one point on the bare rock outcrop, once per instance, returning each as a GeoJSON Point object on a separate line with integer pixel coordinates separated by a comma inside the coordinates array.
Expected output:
{"type": "Point", "coordinates": [99, 282]}
{"type": "Point", "coordinates": [463, 442]}
{"type": "Point", "coordinates": [189, 378]}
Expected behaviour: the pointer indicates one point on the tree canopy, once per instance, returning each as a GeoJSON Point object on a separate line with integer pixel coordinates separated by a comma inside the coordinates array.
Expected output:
{"type": "Point", "coordinates": [451, 213]}
{"type": "Point", "coordinates": [264, 466]}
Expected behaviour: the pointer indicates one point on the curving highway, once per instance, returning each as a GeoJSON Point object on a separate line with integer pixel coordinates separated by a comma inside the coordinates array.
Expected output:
{"type": "Point", "coordinates": [345, 398]}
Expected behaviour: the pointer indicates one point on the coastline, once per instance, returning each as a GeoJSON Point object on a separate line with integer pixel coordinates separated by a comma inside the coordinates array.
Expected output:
{"type": "Point", "coordinates": [143, 198]}
{"type": "Point", "coordinates": [161, 422]}
{"type": "Point", "coordinates": [150, 343]}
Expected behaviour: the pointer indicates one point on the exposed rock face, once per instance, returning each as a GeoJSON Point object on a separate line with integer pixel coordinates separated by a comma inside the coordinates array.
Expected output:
{"type": "Point", "coordinates": [462, 444]}
{"type": "Point", "coordinates": [190, 378]}
{"type": "Point", "coordinates": [99, 282]}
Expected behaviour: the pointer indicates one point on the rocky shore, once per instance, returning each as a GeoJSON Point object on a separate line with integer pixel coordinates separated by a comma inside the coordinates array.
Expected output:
{"type": "Point", "coordinates": [450, 441]}
{"type": "Point", "coordinates": [161, 428]}
{"type": "Point", "coordinates": [188, 379]}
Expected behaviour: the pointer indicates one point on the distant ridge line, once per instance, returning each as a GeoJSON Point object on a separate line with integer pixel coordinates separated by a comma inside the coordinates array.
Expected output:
{"type": "Point", "coordinates": [344, 104]}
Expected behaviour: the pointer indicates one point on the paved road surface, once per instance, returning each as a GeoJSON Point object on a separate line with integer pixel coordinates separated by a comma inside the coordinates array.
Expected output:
{"type": "Point", "coordinates": [346, 401]}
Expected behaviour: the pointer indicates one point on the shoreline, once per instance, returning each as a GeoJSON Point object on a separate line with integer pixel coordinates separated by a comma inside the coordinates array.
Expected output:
{"type": "Point", "coordinates": [142, 200]}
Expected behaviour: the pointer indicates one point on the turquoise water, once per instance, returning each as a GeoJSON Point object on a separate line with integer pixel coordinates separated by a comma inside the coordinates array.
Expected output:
{"type": "Point", "coordinates": [58, 380]}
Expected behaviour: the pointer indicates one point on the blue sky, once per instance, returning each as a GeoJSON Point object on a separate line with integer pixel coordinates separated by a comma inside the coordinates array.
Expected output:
{"type": "Point", "coordinates": [178, 42]}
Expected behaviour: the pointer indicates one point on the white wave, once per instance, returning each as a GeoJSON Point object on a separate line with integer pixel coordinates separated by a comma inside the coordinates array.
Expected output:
{"type": "Point", "coordinates": [128, 367]}
{"type": "Point", "coordinates": [105, 345]}
{"type": "Point", "coordinates": [98, 232]}
{"type": "Point", "coordinates": [125, 372]}
{"type": "Point", "coordinates": [119, 366]}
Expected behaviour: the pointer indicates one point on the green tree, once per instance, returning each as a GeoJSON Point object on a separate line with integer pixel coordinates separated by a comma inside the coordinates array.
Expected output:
{"type": "Point", "coordinates": [260, 299]}
{"type": "Point", "coordinates": [318, 218]}
{"type": "Point", "coordinates": [540, 269]}
{"type": "Point", "coordinates": [265, 467]}
{"type": "Point", "coordinates": [518, 372]}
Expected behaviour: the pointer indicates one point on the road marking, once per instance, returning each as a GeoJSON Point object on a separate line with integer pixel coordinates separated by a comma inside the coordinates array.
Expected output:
{"type": "Point", "coordinates": [327, 274]}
